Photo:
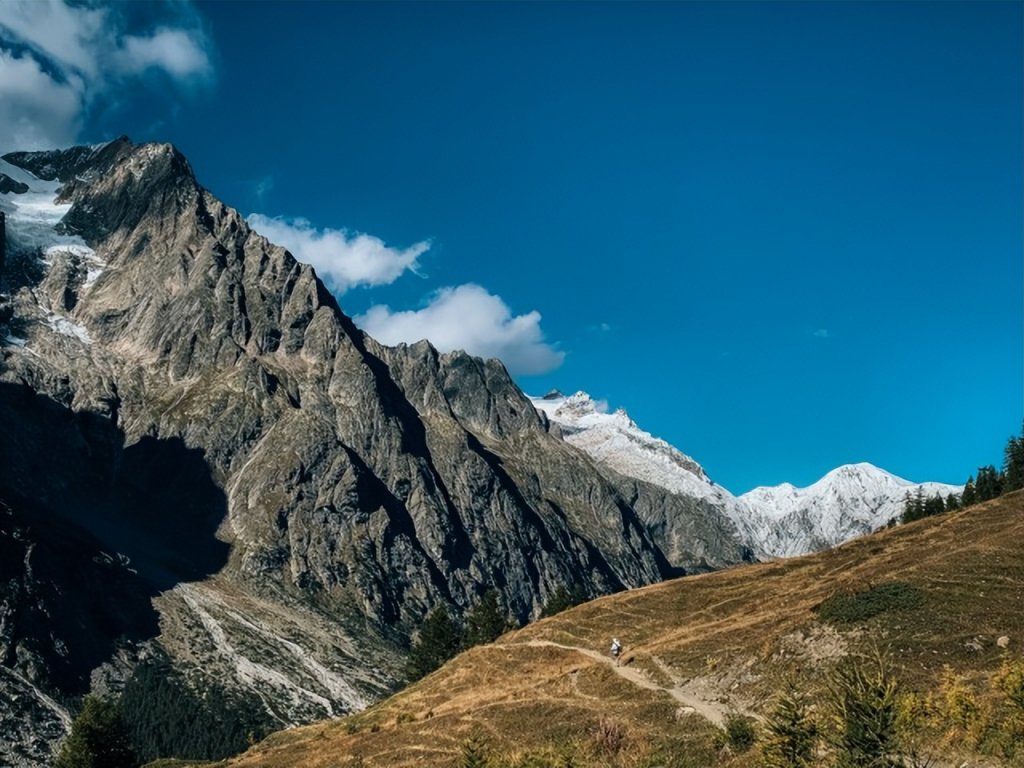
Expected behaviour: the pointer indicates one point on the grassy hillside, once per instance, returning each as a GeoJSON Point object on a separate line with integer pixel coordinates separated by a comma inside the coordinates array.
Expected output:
{"type": "Point", "coordinates": [938, 598]}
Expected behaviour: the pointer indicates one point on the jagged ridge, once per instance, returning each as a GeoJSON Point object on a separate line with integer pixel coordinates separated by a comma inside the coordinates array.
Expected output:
{"type": "Point", "coordinates": [337, 483]}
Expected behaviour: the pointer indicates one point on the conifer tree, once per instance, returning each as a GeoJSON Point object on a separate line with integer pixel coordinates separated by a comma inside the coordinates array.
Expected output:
{"type": "Point", "coordinates": [952, 502]}
{"type": "Point", "coordinates": [1013, 464]}
{"type": "Point", "coordinates": [792, 732]}
{"type": "Point", "coordinates": [864, 695]}
{"type": "Point", "coordinates": [562, 599]}
{"type": "Point", "coordinates": [438, 641]}
{"type": "Point", "coordinates": [988, 485]}
{"type": "Point", "coordinates": [970, 495]}
{"type": "Point", "coordinates": [485, 622]}
{"type": "Point", "coordinates": [99, 738]}
{"type": "Point", "coordinates": [474, 752]}
{"type": "Point", "coordinates": [934, 506]}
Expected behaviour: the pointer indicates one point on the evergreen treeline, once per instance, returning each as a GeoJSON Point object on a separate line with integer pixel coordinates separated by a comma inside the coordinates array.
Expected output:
{"type": "Point", "coordinates": [441, 636]}
{"type": "Point", "coordinates": [166, 718]}
{"type": "Point", "coordinates": [98, 739]}
{"type": "Point", "coordinates": [989, 483]}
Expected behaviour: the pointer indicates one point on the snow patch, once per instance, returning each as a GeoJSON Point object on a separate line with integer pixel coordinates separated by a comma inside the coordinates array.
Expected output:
{"type": "Point", "coordinates": [66, 327]}
{"type": "Point", "coordinates": [84, 254]}
{"type": "Point", "coordinates": [32, 216]}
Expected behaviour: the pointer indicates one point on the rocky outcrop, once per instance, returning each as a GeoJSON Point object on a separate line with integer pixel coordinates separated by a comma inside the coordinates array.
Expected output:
{"type": "Point", "coordinates": [291, 496]}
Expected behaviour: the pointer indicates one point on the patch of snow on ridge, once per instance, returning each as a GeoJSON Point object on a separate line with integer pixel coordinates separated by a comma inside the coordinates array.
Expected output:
{"type": "Point", "coordinates": [82, 253]}
{"type": "Point", "coordinates": [33, 215]}
{"type": "Point", "coordinates": [66, 327]}
{"type": "Point", "coordinates": [615, 440]}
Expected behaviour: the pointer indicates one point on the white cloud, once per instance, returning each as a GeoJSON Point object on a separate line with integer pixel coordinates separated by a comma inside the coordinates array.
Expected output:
{"type": "Point", "coordinates": [71, 37]}
{"type": "Point", "coordinates": [264, 186]}
{"type": "Point", "coordinates": [175, 51]}
{"type": "Point", "coordinates": [467, 317]}
{"type": "Point", "coordinates": [821, 333]}
{"type": "Point", "coordinates": [56, 58]}
{"type": "Point", "coordinates": [36, 111]}
{"type": "Point", "coordinates": [342, 259]}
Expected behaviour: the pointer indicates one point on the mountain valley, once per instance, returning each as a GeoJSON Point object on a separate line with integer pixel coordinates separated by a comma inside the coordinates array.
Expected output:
{"type": "Point", "coordinates": [208, 467]}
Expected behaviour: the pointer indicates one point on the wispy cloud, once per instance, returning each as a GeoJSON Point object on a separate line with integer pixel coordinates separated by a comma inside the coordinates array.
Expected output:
{"type": "Point", "coordinates": [56, 58]}
{"type": "Point", "coordinates": [175, 51]}
{"type": "Point", "coordinates": [469, 318]}
{"type": "Point", "coordinates": [821, 333]}
{"type": "Point", "coordinates": [35, 109]}
{"type": "Point", "coordinates": [342, 259]}
{"type": "Point", "coordinates": [263, 187]}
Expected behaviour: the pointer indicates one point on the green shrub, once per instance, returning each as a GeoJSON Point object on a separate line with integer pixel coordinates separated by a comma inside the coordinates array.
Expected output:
{"type": "Point", "coordinates": [739, 732]}
{"type": "Point", "coordinates": [861, 606]}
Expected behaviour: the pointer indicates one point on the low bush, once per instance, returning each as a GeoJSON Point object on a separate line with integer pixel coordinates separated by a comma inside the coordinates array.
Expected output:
{"type": "Point", "coordinates": [855, 607]}
{"type": "Point", "coordinates": [739, 732]}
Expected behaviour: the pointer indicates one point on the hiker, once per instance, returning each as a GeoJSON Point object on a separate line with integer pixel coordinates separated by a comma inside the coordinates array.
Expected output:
{"type": "Point", "coordinates": [616, 649]}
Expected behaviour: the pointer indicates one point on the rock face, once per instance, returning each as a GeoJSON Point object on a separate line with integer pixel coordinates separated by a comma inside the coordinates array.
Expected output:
{"type": "Point", "coordinates": [262, 492]}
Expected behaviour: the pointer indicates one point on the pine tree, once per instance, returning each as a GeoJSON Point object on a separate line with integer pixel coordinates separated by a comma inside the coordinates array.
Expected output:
{"type": "Point", "coordinates": [1013, 464]}
{"type": "Point", "coordinates": [934, 506]}
{"type": "Point", "coordinates": [99, 738]}
{"type": "Point", "coordinates": [485, 622]}
{"type": "Point", "coordinates": [970, 495]}
{"type": "Point", "coordinates": [988, 484]}
{"type": "Point", "coordinates": [864, 695]}
{"type": "Point", "coordinates": [792, 732]}
{"type": "Point", "coordinates": [952, 502]}
{"type": "Point", "coordinates": [563, 599]}
{"type": "Point", "coordinates": [908, 509]}
{"type": "Point", "coordinates": [438, 641]}
{"type": "Point", "coordinates": [474, 752]}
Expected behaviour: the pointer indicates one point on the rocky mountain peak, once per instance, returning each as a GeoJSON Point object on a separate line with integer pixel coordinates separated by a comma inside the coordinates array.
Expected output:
{"type": "Point", "coordinates": [291, 496]}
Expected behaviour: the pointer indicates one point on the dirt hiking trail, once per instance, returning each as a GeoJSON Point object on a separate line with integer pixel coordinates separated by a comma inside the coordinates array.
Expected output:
{"type": "Point", "coordinates": [706, 709]}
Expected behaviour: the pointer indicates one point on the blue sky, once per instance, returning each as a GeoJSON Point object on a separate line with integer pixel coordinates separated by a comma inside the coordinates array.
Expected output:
{"type": "Point", "coordinates": [783, 236]}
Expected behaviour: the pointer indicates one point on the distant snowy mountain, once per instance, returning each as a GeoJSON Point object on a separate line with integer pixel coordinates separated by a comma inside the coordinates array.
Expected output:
{"type": "Point", "coordinates": [779, 521]}
{"type": "Point", "coordinates": [615, 440]}
{"type": "Point", "coordinates": [848, 501]}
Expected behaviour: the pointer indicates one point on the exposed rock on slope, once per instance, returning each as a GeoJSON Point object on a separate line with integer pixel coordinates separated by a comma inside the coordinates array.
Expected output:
{"type": "Point", "coordinates": [292, 496]}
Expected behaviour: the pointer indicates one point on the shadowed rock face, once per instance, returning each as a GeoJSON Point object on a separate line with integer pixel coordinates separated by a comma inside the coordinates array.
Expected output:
{"type": "Point", "coordinates": [219, 396]}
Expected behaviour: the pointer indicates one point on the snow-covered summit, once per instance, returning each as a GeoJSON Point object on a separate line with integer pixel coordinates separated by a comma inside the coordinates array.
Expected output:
{"type": "Point", "coordinates": [848, 501]}
{"type": "Point", "coordinates": [615, 440]}
{"type": "Point", "coordinates": [776, 521]}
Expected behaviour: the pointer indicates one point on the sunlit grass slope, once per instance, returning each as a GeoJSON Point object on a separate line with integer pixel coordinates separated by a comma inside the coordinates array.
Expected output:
{"type": "Point", "coordinates": [950, 594]}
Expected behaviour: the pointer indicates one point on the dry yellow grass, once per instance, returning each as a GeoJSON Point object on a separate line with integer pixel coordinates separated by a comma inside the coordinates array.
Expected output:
{"type": "Point", "coordinates": [724, 639]}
